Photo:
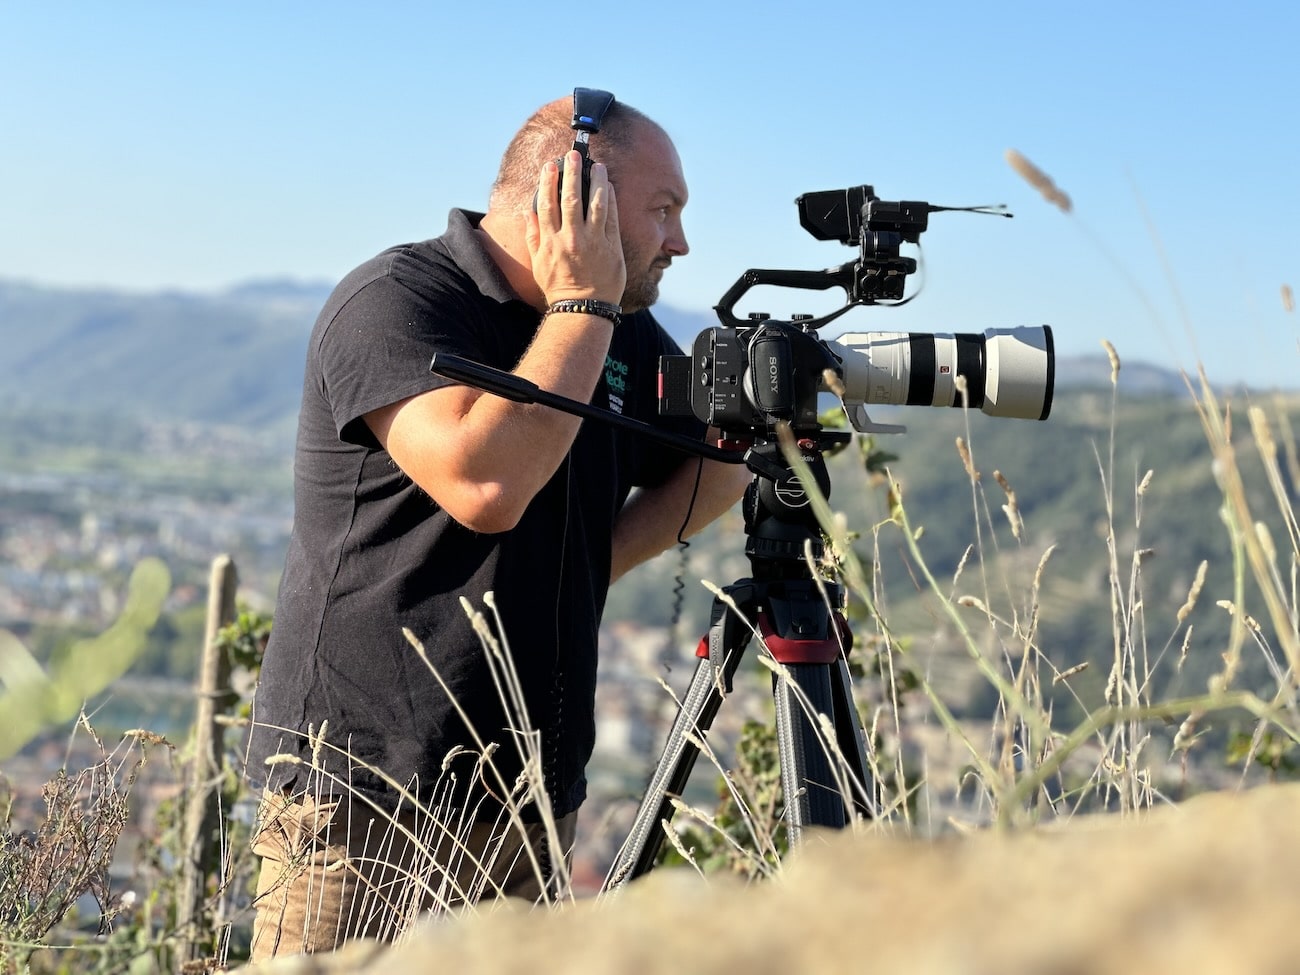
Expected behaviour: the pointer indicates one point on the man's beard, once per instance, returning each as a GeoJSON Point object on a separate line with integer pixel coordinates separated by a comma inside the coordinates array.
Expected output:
{"type": "Point", "coordinates": [642, 290]}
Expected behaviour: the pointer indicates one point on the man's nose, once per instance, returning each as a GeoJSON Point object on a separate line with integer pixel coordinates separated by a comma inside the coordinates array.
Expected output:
{"type": "Point", "coordinates": [676, 242]}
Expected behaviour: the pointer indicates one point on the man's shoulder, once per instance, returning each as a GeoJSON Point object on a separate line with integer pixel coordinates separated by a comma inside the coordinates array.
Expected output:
{"type": "Point", "coordinates": [425, 263]}
{"type": "Point", "coordinates": [422, 272]}
{"type": "Point", "coordinates": [450, 266]}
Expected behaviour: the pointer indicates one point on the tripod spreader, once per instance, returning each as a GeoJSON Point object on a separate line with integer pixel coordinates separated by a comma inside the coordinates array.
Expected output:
{"type": "Point", "coordinates": [801, 648]}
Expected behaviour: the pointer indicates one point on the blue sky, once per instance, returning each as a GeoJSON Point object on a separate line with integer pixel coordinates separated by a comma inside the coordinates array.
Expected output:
{"type": "Point", "coordinates": [190, 146]}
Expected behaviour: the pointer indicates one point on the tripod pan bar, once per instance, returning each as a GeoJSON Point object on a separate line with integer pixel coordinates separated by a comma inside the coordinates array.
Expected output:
{"type": "Point", "coordinates": [511, 387]}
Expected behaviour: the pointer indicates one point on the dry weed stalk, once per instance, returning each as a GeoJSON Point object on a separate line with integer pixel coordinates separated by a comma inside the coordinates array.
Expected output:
{"type": "Point", "coordinates": [45, 871]}
{"type": "Point", "coordinates": [963, 451]}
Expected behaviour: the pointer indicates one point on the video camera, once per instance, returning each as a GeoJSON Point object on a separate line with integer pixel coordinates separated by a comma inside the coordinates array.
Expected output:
{"type": "Point", "coordinates": [745, 377]}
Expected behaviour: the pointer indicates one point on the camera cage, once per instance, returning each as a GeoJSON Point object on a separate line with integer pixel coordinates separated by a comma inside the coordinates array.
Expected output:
{"type": "Point", "coordinates": [856, 217]}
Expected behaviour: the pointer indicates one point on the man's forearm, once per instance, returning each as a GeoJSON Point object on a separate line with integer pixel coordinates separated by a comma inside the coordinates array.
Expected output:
{"type": "Point", "coordinates": [650, 521]}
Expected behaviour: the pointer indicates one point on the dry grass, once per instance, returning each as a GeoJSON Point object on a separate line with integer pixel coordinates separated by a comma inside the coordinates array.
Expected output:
{"type": "Point", "coordinates": [45, 871]}
{"type": "Point", "coordinates": [1025, 766]}
{"type": "Point", "coordinates": [454, 858]}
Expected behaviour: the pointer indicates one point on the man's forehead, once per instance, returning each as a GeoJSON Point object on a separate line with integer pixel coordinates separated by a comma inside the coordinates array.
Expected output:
{"type": "Point", "coordinates": [653, 157]}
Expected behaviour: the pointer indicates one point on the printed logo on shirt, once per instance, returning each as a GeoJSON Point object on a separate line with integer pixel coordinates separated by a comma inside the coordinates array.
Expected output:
{"type": "Point", "coordinates": [616, 379]}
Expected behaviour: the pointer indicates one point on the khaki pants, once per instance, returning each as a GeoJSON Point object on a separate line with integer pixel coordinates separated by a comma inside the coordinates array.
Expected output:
{"type": "Point", "coordinates": [337, 870]}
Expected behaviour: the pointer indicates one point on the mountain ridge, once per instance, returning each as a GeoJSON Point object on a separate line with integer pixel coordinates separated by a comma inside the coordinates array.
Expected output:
{"type": "Point", "coordinates": [236, 356]}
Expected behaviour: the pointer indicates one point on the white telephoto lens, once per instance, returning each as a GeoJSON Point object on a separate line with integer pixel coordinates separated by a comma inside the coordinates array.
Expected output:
{"type": "Point", "coordinates": [1007, 371]}
{"type": "Point", "coordinates": [1019, 372]}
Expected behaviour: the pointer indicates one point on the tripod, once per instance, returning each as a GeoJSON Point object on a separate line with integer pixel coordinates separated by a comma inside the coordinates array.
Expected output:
{"type": "Point", "coordinates": [826, 782]}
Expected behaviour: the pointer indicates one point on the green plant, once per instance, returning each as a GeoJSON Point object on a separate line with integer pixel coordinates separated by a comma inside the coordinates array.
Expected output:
{"type": "Point", "coordinates": [33, 700]}
{"type": "Point", "coordinates": [245, 639]}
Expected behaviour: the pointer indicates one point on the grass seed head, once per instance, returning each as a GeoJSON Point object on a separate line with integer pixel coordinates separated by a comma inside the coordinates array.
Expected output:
{"type": "Point", "coordinates": [966, 460]}
{"type": "Point", "coordinates": [1192, 594]}
{"type": "Point", "coordinates": [1011, 509]}
{"type": "Point", "coordinates": [1039, 180]}
{"type": "Point", "coordinates": [1067, 674]}
{"type": "Point", "coordinates": [1113, 356]}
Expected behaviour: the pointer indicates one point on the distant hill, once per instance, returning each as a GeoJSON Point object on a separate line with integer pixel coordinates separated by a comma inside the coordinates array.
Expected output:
{"type": "Point", "coordinates": [231, 358]}
{"type": "Point", "coordinates": [236, 357]}
{"type": "Point", "coordinates": [1138, 378]}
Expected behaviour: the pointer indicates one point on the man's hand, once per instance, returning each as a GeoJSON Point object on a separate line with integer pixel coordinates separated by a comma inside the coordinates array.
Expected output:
{"type": "Point", "coordinates": [574, 257]}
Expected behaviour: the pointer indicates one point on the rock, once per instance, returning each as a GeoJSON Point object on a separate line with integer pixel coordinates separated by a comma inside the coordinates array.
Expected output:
{"type": "Point", "coordinates": [1212, 885]}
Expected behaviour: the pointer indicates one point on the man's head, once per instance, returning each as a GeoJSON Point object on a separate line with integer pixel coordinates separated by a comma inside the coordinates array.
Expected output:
{"type": "Point", "coordinates": [643, 167]}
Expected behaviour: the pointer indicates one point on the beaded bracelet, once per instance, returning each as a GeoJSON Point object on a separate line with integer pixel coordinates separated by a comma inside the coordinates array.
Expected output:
{"type": "Point", "coordinates": [587, 306]}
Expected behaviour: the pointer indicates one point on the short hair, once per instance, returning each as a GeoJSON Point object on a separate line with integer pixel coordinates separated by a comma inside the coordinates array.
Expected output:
{"type": "Point", "coordinates": [548, 134]}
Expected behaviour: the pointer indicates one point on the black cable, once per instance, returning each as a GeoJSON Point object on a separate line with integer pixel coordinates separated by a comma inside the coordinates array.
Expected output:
{"type": "Point", "coordinates": [679, 582]}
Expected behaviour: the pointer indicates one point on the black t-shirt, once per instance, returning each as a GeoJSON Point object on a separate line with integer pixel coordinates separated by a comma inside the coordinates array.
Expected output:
{"type": "Point", "coordinates": [371, 554]}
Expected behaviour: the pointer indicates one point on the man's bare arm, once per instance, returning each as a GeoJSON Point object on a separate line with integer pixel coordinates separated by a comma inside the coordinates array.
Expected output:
{"type": "Point", "coordinates": [649, 522]}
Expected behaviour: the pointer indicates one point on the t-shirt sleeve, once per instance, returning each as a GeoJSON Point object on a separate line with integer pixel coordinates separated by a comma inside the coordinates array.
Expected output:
{"type": "Point", "coordinates": [377, 348]}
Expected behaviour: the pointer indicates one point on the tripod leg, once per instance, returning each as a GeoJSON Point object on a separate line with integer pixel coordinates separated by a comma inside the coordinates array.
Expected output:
{"type": "Point", "coordinates": [812, 795]}
{"type": "Point", "coordinates": [852, 741]}
{"type": "Point", "coordinates": [694, 718]}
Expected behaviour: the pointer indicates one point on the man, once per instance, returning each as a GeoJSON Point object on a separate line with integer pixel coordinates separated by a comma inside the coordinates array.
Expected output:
{"type": "Point", "coordinates": [393, 782]}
